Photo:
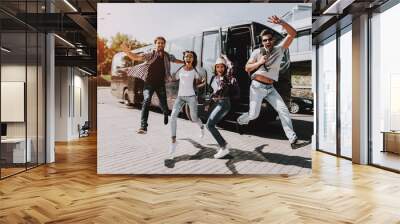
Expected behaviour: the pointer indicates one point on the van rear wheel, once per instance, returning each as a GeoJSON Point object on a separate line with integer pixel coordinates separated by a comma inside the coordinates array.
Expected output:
{"type": "Point", "coordinates": [126, 98]}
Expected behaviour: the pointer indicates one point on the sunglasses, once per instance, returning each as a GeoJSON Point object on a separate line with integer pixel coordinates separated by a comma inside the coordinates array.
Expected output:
{"type": "Point", "coordinates": [267, 39]}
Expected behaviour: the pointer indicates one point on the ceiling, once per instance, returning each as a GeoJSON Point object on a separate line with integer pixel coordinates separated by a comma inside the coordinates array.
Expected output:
{"type": "Point", "coordinates": [76, 21]}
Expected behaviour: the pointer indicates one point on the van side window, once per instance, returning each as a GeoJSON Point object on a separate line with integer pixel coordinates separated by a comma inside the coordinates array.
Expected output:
{"type": "Point", "coordinates": [210, 47]}
{"type": "Point", "coordinates": [197, 45]}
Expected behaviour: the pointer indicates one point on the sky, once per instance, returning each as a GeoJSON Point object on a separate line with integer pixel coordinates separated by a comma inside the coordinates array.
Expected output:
{"type": "Point", "coordinates": [144, 21]}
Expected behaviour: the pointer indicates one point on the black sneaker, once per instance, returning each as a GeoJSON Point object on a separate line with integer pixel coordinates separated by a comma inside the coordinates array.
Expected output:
{"type": "Point", "coordinates": [299, 143]}
{"type": "Point", "coordinates": [165, 119]}
{"type": "Point", "coordinates": [239, 128]}
{"type": "Point", "coordinates": [142, 131]}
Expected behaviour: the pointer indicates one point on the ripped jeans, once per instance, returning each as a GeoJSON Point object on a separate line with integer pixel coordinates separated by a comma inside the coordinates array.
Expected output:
{"type": "Point", "coordinates": [191, 101]}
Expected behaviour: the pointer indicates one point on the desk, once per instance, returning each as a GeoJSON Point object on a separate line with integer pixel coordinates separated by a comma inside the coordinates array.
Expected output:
{"type": "Point", "coordinates": [16, 148]}
{"type": "Point", "coordinates": [391, 141]}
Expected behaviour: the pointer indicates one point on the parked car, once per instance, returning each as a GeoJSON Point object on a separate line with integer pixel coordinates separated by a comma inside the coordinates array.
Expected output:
{"type": "Point", "coordinates": [299, 104]}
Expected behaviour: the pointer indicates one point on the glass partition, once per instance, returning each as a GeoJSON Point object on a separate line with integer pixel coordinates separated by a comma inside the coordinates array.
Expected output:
{"type": "Point", "coordinates": [41, 97]}
{"type": "Point", "coordinates": [14, 154]}
{"type": "Point", "coordinates": [31, 98]}
{"type": "Point", "coordinates": [22, 78]}
{"type": "Point", "coordinates": [327, 95]}
{"type": "Point", "coordinates": [385, 89]}
{"type": "Point", "coordinates": [346, 92]}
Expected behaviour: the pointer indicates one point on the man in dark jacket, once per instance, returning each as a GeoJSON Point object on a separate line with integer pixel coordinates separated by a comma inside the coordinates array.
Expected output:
{"type": "Point", "coordinates": [154, 72]}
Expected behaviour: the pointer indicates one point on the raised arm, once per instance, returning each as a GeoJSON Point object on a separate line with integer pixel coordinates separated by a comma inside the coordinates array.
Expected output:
{"type": "Point", "coordinates": [134, 57]}
{"type": "Point", "coordinates": [291, 32]}
{"type": "Point", "coordinates": [229, 64]}
{"type": "Point", "coordinates": [177, 61]}
{"type": "Point", "coordinates": [173, 59]}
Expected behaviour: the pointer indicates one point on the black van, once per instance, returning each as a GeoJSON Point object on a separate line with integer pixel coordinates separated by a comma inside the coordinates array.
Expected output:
{"type": "Point", "coordinates": [237, 41]}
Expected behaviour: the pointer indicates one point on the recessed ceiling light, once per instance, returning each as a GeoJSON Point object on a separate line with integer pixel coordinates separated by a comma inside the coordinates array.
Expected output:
{"type": "Point", "coordinates": [70, 5]}
{"type": "Point", "coordinates": [64, 40]}
{"type": "Point", "coordinates": [5, 49]}
{"type": "Point", "coordinates": [338, 6]}
{"type": "Point", "coordinates": [84, 71]}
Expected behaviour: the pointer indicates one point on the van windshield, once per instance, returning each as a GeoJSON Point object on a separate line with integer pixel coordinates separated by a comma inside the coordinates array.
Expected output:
{"type": "Point", "coordinates": [119, 62]}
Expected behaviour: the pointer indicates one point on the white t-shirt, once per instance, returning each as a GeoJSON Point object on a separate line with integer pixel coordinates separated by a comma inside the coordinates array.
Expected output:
{"type": "Point", "coordinates": [186, 79]}
{"type": "Point", "coordinates": [273, 64]}
{"type": "Point", "coordinates": [214, 84]}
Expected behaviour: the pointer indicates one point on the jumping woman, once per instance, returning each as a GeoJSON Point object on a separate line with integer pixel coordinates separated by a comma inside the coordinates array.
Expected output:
{"type": "Point", "coordinates": [222, 84]}
{"type": "Point", "coordinates": [188, 77]}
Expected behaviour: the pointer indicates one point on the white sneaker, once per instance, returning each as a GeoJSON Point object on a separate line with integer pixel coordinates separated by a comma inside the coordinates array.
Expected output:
{"type": "Point", "coordinates": [201, 132]}
{"type": "Point", "coordinates": [222, 152]}
{"type": "Point", "coordinates": [172, 149]}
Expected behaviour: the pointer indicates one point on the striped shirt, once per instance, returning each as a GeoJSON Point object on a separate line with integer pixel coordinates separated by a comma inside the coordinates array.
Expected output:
{"type": "Point", "coordinates": [141, 71]}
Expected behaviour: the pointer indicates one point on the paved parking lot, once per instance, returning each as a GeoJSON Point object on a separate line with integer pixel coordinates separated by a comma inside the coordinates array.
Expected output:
{"type": "Point", "coordinates": [122, 151]}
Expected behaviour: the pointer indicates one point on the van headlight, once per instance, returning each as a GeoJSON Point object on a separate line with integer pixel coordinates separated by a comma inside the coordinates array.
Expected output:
{"type": "Point", "coordinates": [307, 101]}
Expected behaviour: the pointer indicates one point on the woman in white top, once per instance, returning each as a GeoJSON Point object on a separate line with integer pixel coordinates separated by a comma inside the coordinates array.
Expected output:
{"type": "Point", "coordinates": [187, 76]}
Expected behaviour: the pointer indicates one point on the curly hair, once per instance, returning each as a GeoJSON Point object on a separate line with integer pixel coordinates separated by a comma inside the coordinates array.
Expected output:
{"type": "Point", "coordinates": [194, 63]}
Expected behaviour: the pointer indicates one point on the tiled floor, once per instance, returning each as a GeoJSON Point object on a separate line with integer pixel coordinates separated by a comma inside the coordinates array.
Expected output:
{"type": "Point", "coordinates": [122, 151]}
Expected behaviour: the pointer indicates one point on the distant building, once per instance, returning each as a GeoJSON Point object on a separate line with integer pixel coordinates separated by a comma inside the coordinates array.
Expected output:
{"type": "Point", "coordinates": [301, 49]}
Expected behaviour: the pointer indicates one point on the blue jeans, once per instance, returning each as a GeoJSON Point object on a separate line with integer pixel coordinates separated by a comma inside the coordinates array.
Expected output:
{"type": "Point", "coordinates": [191, 101]}
{"type": "Point", "coordinates": [259, 91]}
{"type": "Point", "coordinates": [221, 109]}
{"type": "Point", "coordinates": [148, 92]}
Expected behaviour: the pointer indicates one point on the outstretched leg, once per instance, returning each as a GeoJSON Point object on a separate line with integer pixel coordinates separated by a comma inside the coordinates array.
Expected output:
{"type": "Point", "coordinates": [279, 105]}
{"type": "Point", "coordinates": [147, 94]}
{"type": "Point", "coordinates": [174, 115]}
{"type": "Point", "coordinates": [256, 96]}
{"type": "Point", "coordinates": [192, 103]}
{"type": "Point", "coordinates": [162, 97]}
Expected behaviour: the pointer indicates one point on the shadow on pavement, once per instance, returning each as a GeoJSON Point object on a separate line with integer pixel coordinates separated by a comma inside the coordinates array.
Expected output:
{"type": "Point", "coordinates": [273, 129]}
{"type": "Point", "coordinates": [237, 155]}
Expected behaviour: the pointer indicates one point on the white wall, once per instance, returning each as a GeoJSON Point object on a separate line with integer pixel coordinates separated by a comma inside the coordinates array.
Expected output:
{"type": "Point", "coordinates": [62, 81]}
{"type": "Point", "coordinates": [12, 73]}
{"type": "Point", "coordinates": [71, 93]}
{"type": "Point", "coordinates": [33, 126]}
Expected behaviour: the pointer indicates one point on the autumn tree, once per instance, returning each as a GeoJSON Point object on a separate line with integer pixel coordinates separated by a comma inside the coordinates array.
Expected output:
{"type": "Point", "coordinates": [101, 48]}
{"type": "Point", "coordinates": [106, 50]}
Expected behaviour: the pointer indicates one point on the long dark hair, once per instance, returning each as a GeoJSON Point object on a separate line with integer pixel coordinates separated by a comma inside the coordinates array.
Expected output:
{"type": "Point", "coordinates": [194, 63]}
{"type": "Point", "coordinates": [225, 70]}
